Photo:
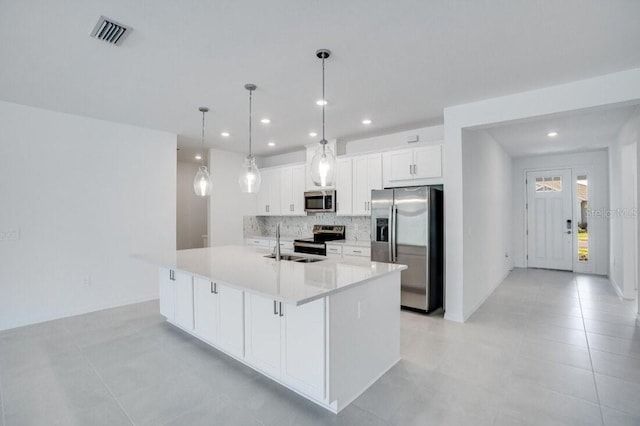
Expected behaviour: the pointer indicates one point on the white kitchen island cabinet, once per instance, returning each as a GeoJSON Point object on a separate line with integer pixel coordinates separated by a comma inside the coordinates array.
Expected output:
{"type": "Point", "coordinates": [326, 330]}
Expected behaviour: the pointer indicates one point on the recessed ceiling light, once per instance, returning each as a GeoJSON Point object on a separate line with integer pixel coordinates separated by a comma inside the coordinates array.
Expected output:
{"type": "Point", "coordinates": [224, 134]}
{"type": "Point", "coordinates": [313, 134]}
{"type": "Point", "coordinates": [366, 121]}
{"type": "Point", "coordinates": [198, 157]}
{"type": "Point", "coordinates": [321, 102]}
{"type": "Point", "coordinates": [271, 144]}
{"type": "Point", "coordinates": [552, 134]}
{"type": "Point", "coordinates": [265, 121]}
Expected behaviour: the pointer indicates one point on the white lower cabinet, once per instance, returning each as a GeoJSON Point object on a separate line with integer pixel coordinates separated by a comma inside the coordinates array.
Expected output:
{"type": "Point", "coordinates": [184, 300]}
{"type": "Point", "coordinates": [206, 309]}
{"type": "Point", "coordinates": [167, 294]}
{"type": "Point", "coordinates": [287, 342]}
{"type": "Point", "coordinates": [219, 315]}
{"type": "Point", "coordinates": [303, 347]}
{"type": "Point", "coordinates": [231, 320]}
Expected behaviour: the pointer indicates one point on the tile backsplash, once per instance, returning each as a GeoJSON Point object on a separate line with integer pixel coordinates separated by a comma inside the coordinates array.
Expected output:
{"type": "Point", "coordinates": [356, 227]}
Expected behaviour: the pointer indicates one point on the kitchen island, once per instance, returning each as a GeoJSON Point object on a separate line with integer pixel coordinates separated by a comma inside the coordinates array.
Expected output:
{"type": "Point", "coordinates": [326, 330]}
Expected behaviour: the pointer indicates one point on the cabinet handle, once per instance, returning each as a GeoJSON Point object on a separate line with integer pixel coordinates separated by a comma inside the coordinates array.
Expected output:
{"type": "Point", "coordinates": [172, 275]}
{"type": "Point", "coordinates": [410, 169]}
{"type": "Point", "coordinates": [357, 251]}
{"type": "Point", "coordinates": [214, 288]}
{"type": "Point", "coordinates": [281, 314]}
{"type": "Point", "coordinates": [275, 308]}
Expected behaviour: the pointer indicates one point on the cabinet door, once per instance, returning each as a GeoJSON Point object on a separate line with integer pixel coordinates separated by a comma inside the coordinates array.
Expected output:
{"type": "Point", "coordinates": [167, 294]}
{"type": "Point", "coordinates": [298, 177]}
{"type": "Point", "coordinates": [286, 191]}
{"type": "Point", "coordinates": [273, 176]}
{"type": "Point", "coordinates": [374, 174]}
{"type": "Point", "coordinates": [398, 165]}
{"type": "Point", "coordinates": [231, 320]}
{"type": "Point", "coordinates": [344, 187]}
{"type": "Point", "coordinates": [184, 300]}
{"type": "Point", "coordinates": [361, 193]}
{"type": "Point", "coordinates": [428, 162]}
{"type": "Point", "coordinates": [206, 309]}
{"type": "Point", "coordinates": [303, 363]}
{"type": "Point", "coordinates": [262, 207]}
{"type": "Point", "coordinates": [262, 334]}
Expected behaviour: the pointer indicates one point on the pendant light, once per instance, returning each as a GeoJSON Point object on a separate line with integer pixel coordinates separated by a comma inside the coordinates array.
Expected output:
{"type": "Point", "coordinates": [249, 174]}
{"type": "Point", "coordinates": [323, 164]}
{"type": "Point", "coordinates": [202, 181]}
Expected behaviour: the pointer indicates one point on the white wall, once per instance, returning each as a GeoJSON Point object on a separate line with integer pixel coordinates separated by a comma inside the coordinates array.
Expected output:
{"type": "Point", "coordinates": [487, 231]}
{"type": "Point", "coordinates": [85, 194]}
{"type": "Point", "coordinates": [597, 161]}
{"type": "Point", "coordinates": [227, 205]}
{"type": "Point", "coordinates": [621, 87]}
{"type": "Point", "coordinates": [191, 210]}
{"type": "Point", "coordinates": [427, 135]}
{"type": "Point", "coordinates": [623, 179]}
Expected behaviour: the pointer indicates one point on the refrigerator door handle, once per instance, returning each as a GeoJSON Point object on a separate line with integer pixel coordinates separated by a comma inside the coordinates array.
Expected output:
{"type": "Point", "coordinates": [390, 232]}
{"type": "Point", "coordinates": [394, 216]}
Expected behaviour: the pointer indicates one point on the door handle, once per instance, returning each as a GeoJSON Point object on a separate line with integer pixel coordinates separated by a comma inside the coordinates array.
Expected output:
{"type": "Point", "coordinates": [568, 232]}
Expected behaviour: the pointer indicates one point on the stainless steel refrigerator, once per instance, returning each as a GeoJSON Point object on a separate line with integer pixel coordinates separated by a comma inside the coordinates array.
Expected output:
{"type": "Point", "coordinates": [407, 228]}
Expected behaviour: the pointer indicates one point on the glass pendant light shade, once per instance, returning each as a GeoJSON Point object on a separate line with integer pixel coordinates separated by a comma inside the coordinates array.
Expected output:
{"type": "Point", "coordinates": [249, 179]}
{"type": "Point", "coordinates": [202, 182]}
{"type": "Point", "coordinates": [323, 166]}
{"type": "Point", "coordinates": [323, 163]}
{"type": "Point", "coordinates": [249, 176]}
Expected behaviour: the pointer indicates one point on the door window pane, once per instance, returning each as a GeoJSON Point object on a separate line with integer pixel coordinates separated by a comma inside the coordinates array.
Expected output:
{"type": "Point", "coordinates": [582, 191]}
{"type": "Point", "coordinates": [549, 184]}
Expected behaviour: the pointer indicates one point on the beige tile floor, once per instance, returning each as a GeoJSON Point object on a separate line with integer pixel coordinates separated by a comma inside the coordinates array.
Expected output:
{"type": "Point", "coordinates": [547, 348]}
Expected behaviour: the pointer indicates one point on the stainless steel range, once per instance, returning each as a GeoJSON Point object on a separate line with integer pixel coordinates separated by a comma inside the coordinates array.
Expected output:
{"type": "Point", "coordinates": [316, 245]}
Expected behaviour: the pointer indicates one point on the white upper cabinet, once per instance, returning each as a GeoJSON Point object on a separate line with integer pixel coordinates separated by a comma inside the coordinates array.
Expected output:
{"type": "Point", "coordinates": [269, 194]}
{"type": "Point", "coordinates": [292, 185]}
{"type": "Point", "coordinates": [413, 166]}
{"type": "Point", "coordinates": [344, 187]}
{"type": "Point", "coordinates": [367, 175]}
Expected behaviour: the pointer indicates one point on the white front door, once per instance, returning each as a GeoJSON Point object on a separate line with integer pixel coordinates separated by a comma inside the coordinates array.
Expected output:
{"type": "Point", "coordinates": [549, 219]}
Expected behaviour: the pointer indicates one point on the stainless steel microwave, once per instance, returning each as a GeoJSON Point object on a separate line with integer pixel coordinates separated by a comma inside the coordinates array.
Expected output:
{"type": "Point", "coordinates": [320, 201]}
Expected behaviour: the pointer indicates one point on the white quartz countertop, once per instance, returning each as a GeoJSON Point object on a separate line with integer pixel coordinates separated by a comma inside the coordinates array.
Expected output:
{"type": "Point", "coordinates": [248, 269]}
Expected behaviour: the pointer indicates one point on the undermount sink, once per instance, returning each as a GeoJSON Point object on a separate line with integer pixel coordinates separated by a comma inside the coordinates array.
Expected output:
{"type": "Point", "coordinates": [292, 258]}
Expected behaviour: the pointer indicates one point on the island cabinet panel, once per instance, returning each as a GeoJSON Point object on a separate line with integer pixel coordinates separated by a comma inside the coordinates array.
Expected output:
{"type": "Point", "coordinates": [263, 334]}
{"type": "Point", "coordinates": [206, 309]}
{"type": "Point", "coordinates": [184, 300]}
{"type": "Point", "coordinates": [304, 347]}
{"type": "Point", "coordinates": [167, 294]}
{"type": "Point", "coordinates": [231, 320]}
{"type": "Point", "coordinates": [288, 342]}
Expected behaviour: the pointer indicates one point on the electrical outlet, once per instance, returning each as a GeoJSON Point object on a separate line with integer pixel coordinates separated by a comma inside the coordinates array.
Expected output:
{"type": "Point", "coordinates": [10, 235]}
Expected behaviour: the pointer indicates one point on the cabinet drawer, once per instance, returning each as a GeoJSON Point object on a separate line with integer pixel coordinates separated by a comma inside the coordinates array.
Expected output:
{"type": "Point", "coordinates": [257, 242]}
{"type": "Point", "coordinates": [356, 251]}
{"type": "Point", "coordinates": [284, 245]}
{"type": "Point", "coordinates": [334, 249]}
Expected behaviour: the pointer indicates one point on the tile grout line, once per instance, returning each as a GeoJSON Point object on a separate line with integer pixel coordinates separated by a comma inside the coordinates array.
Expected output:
{"type": "Point", "coordinates": [95, 370]}
{"type": "Point", "coordinates": [586, 337]}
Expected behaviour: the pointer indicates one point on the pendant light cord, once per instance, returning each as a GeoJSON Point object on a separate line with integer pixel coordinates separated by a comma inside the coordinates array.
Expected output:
{"type": "Point", "coordinates": [250, 103]}
{"type": "Point", "coordinates": [202, 152]}
{"type": "Point", "coordinates": [324, 102]}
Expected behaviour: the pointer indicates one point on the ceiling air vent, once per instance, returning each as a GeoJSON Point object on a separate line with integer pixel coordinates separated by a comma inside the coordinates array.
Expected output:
{"type": "Point", "coordinates": [110, 31]}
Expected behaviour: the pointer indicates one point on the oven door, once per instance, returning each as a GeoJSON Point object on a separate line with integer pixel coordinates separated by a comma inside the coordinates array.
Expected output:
{"type": "Point", "coordinates": [310, 248]}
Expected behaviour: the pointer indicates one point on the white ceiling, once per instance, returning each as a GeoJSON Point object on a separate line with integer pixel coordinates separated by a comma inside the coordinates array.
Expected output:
{"type": "Point", "coordinates": [397, 62]}
{"type": "Point", "coordinates": [577, 131]}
